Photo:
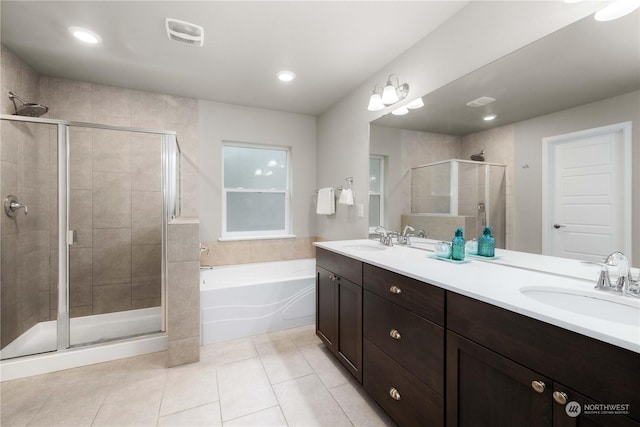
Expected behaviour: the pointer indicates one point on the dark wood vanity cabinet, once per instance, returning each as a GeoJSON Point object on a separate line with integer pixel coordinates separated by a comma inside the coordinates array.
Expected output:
{"type": "Point", "coordinates": [431, 357]}
{"type": "Point", "coordinates": [505, 369]}
{"type": "Point", "coordinates": [339, 308]}
{"type": "Point", "coordinates": [403, 358]}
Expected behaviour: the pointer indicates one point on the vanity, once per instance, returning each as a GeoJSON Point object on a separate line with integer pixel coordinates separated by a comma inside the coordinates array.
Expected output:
{"type": "Point", "coordinates": [484, 343]}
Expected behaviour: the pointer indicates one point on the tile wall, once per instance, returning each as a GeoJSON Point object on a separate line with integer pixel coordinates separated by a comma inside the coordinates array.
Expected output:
{"type": "Point", "coordinates": [115, 200]}
{"type": "Point", "coordinates": [24, 240]}
{"type": "Point", "coordinates": [249, 251]}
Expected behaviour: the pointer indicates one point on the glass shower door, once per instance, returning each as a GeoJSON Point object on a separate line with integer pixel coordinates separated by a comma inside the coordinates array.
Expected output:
{"type": "Point", "coordinates": [115, 222]}
{"type": "Point", "coordinates": [29, 236]}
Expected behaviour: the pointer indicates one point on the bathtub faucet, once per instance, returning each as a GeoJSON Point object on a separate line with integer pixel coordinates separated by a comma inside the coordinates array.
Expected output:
{"type": "Point", "coordinates": [204, 248]}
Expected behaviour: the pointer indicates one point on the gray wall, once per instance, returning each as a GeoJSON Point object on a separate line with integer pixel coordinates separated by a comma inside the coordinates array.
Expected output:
{"type": "Point", "coordinates": [449, 52]}
{"type": "Point", "coordinates": [225, 122]}
{"type": "Point", "coordinates": [528, 137]}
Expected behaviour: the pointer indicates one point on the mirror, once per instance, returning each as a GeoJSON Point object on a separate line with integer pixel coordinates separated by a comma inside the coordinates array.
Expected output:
{"type": "Point", "coordinates": [585, 76]}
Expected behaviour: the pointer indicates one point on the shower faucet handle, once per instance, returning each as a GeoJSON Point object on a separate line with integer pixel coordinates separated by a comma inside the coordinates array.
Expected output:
{"type": "Point", "coordinates": [11, 206]}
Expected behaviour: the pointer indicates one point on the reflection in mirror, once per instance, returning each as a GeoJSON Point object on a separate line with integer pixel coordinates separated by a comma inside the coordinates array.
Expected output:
{"type": "Point", "coordinates": [582, 77]}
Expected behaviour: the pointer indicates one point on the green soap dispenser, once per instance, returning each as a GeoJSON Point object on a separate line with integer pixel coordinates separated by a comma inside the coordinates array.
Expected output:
{"type": "Point", "coordinates": [457, 246]}
{"type": "Point", "coordinates": [487, 244]}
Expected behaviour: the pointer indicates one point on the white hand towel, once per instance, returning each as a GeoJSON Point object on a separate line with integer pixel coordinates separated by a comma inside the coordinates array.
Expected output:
{"type": "Point", "coordinates": [326, 202]}
{"type": "Point", "coordinates": [346, 197]}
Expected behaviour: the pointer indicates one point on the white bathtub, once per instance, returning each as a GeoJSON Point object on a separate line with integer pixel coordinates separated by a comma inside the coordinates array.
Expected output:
{"type": "Point", "coordinates": [248, 299]}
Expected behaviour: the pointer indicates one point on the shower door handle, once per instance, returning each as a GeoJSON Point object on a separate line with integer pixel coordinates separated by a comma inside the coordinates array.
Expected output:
{"type": "Point", "coordinates": [72, 237]}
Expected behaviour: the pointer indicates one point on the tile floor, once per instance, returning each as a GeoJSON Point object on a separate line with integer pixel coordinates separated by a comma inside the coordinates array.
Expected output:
{"type": "Point", "coordinates": [284, 378]}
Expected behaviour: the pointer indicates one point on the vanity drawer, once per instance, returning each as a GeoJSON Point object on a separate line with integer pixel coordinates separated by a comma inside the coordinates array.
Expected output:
{"type": "Point", "coordinates": [414, 404]}
{"type": "Point", "coordinates": [346, 267]}
{"type": "Point", "coordinates": [421, 298]}
{"type": "Point", "coordinates": [416, 344]}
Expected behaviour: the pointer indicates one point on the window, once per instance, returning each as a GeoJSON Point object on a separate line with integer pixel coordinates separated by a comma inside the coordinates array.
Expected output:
{"type": "Point", "coordinates": [255, 200]}
{"type": "Point", "coordinates": [376, 192]}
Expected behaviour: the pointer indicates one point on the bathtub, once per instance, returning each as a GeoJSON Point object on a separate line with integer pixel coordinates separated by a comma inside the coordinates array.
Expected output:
{"type": "Point", "coordinates": [248, 299]}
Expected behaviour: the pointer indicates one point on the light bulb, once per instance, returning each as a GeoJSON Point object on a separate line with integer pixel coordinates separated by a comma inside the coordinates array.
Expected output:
{"type": "Point", "coordinates": [416, 103]}
{"type": "Point", "coordinates": [389, 94]}
{"type": "Point", "coordinates": [375, 102]}
{"type": "Point", "coordinates": [617, 9]}
{"type": "Point", "coordinates": [286, 76]}
{"type": "Point", "coordinates": [84, 35]}
{"type": "Point", "coordinates": [489, 117]}
{"type": "Point", "coordinates": [400, 111]}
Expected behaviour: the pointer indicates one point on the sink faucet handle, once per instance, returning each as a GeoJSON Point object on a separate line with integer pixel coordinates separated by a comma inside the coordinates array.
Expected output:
{"type": "Point", "coordinates": [604, 282]}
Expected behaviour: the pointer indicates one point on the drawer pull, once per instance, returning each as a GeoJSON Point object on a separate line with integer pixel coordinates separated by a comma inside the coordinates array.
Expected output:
{"type": "Point", "coordinates": [395, 334]}
{"type": "Point", "coordinates": [395, 289]}
{"type": "Point", "coordinates": [560, 397]}
{"type": "Point", "coordinates": [395, 394]}
{"type": "Point", "coordinates": [538, 386]}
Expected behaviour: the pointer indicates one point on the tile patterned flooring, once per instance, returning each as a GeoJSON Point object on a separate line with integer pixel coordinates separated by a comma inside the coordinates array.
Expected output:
{"type": "Point", "coordinates": [283, 378]}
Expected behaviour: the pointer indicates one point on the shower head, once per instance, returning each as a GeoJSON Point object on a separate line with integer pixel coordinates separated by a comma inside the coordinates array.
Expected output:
{"type": "Point", "coordinates": [29, 109]}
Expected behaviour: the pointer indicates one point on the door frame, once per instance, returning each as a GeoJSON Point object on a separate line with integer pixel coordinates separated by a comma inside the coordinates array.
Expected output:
{"type": "Point", "coordinates": [549, 143]}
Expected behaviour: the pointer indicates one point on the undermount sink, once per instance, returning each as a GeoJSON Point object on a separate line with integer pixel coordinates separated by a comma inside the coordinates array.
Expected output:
{"type": "Point", "coordinates": [373, 247]}
{"type": "Point", "coordinates": [599, 304]}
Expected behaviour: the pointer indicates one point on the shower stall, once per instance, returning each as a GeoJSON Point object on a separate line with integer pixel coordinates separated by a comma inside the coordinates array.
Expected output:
{"type": "Point", "coordinates": [83, 233]}
{"type": "Point", "coordinates": [459, 193]}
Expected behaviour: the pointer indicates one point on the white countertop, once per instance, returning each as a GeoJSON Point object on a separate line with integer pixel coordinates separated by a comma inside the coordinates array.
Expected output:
{"type": "Point", "coordinates": [499, 282]}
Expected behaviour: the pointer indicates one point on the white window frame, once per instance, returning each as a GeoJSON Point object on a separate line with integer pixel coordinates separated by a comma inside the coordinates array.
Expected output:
{"type": "Point", "coordinates": [257, 234]}
{"type": "Point", "coordinates": [378, 193]}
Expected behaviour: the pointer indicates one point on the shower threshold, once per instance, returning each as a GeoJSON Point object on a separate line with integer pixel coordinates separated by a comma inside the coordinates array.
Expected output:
{"type": "Point", "coordinates": [86, 330]}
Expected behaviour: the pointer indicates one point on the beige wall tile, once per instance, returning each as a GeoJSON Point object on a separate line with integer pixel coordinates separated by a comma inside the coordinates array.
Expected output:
{"type": "Point", "coordinates": [111, 256]}
{"type": "Point", "coordinates": [183, 242]}
{"type": "Point", "coordinates": [111, 151]}
{"type": "Point", "coordinates": [148, 110]}
{"type": "Point", "coordinates": [80, 277]}
{"type": "Point", "coordinates": [111, 200]}
{"type": "Point", "coordinates": [146, 217]}
{"type": "Point", "coordinates": [183, 297]}
{"type": "Point", "coordinates": [70, 100]}
{"type": "Point", "coordinates": [111, 298]}
{"type": "Point", "coordinates": [80, 159]}
{"type": "Point", "coordinates": [146, 262]}
{"type": "Point", "coordinates": [183, 351]}
{"type": "Point", "coordinates": [111, 105]}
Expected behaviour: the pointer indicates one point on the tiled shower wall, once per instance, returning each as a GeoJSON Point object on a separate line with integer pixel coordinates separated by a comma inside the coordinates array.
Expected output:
{"type": "Point", "coordinates": [115, 195]}
{"type": "Point", "coordinates": [24, 172]}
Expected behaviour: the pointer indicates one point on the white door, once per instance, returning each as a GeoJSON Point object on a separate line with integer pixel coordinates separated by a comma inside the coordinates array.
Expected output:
{"type": "Point", "coordinates": [587, 202]}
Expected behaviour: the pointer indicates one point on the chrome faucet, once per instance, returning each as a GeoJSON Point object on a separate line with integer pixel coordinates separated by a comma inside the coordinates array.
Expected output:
{"type": "Point", "coordinates": [385, 236]}
{"type": "Point", "coordinates": [403, 239]}
{"type": "Point", "coordinates": [624, 271]}
{"type": "Point", "coordinates": [204, 249]}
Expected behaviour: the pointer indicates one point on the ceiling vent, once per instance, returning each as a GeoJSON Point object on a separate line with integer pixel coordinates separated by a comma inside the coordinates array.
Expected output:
{"type": "Point", "coordinates": [184, 32]}
{"type": "Point", "coordinates": [479, 102]}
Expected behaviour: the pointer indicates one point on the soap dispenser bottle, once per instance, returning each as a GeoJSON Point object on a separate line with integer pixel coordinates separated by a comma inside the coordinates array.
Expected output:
{"type": "Point", "coordinates": [457, 246]}
{"type": "Point", "coordinates": [487, 244]}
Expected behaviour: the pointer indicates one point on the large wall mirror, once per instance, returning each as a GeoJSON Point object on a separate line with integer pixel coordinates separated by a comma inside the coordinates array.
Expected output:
{"type": "Point", "coordinates": [576, 82]}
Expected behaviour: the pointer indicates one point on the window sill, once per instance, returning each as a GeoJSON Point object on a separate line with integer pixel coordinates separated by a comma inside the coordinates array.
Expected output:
{"type": "Point", "coordinates": [274, 237]}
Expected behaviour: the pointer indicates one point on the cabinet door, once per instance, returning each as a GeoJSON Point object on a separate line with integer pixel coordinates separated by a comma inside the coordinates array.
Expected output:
{"type": "Point", "coordinates": [571, 409]}
{"type": "Point", "coordinates": [349, 310]}
{"type": "Point", "coordinates": [326, 326]}
{"type": "Point", "coordinates": [486, 389]}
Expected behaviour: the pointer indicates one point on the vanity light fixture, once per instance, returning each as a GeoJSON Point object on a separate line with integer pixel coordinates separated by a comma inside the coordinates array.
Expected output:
{"type": "Point", "coordinates": [391, 94]}
{"type": "Point", "coordinates": [415, 104]}
{"type": "Point", "coordinates": [375, 101]}
{"type": "Point", "coordinates": [84, 35]}
{"type": "Point", "coordinates": [400, 111]}
{"type": "Point", "coordinates": [285, 75]}
{"type": "Point", "coordinates": [617, 9]}
{"type": "Point", "coordinates": [489, 117]}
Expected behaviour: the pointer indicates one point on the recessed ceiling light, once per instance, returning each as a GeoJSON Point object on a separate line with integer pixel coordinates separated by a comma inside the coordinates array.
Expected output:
{"type": "Point", "coordinates": [285, 75]}
{"type": "Point", "coordinates": [84, 35]}
{"type": "Point", "coordinates": [479, 102]}
{"type": "Point", "coordinates": [489, 117]}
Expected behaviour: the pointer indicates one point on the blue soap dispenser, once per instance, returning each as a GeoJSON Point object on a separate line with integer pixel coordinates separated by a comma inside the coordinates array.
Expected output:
{"type": "Point", "coordinates": [487, 244]}
{"type": "Point", "coordinates": [457, 246]}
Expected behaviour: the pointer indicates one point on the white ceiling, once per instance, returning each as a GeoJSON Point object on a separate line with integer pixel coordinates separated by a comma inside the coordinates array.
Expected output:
{"type": "Point", "coordinates": [332, 46]}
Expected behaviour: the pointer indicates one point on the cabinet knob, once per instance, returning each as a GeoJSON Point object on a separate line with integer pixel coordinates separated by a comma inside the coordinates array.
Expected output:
{"type": "Point", "coordinates": [538, 386]}
{"type": "Point", "coordinates": [394, 393]}
{"type": "Point", "coordinates": [395, 334]}
{"type": "Point", "coordinates": [560, 397]}
{"type": "Point", "coordinates": [395, 289]}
